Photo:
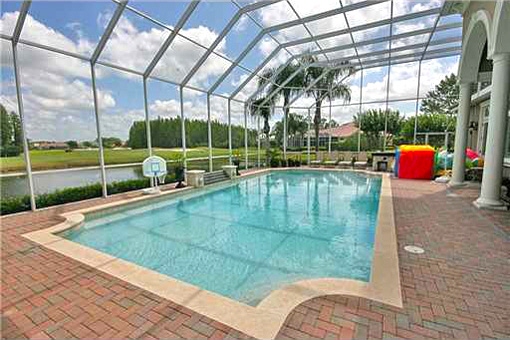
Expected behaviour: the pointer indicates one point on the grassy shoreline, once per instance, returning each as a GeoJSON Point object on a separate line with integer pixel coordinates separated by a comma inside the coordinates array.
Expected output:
{"type": "Point", "coordinates": [59, 159]}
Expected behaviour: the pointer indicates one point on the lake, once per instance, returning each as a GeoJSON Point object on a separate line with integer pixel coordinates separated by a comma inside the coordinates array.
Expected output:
{"type": "Point", "coordinates": [49, 181]}
{"type": "Point", "coordinates": [45, 181]}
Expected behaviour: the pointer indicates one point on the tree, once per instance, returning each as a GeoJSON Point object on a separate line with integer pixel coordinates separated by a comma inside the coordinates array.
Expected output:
{"type": "Point", "coordinates": [166, 133]}
{"type": "Point", "coordinates": [10, 133]}
{"type": "Point", "coordinates": [296, 126]}
{"type": "Point", "coordinates": [328, 87]}
{"type": "Point", "coordinates": [87, 144]}
{"type": "Point", "coordinates": [17, 135]}
{"type": "Point", "coordinates": [111, 142]}
{"type": "Point", "coordinates": [444, 98]}
{"type": "Point", "coordinates": [5, 127]}
{"type": "Point", "coordinates": [372, 125]}
{"type": "Point", "coordinates": [291, 88]}
{"type": "Point", "coordinates": [72, 144]}
{"type": "Point", "coordinates": [434, 122]}
{"type": "Point", "coordinates": [263, 112]}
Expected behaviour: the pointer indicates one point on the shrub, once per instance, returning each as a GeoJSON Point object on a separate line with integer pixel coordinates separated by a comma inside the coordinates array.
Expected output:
{"type": "Point", "coordinates": [10, 205]}
{"type": "Point", "coordinates": [10, 151]}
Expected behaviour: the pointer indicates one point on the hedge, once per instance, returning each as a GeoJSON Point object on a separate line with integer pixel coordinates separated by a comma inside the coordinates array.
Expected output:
{"type": "Point", "coordinates": [10, 205]}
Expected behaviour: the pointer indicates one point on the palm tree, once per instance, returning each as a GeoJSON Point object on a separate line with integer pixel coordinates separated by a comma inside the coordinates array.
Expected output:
{"type": "Point", "coordinates": [328, 87]}
{"type": "Point", "coordinates": [291, 88]}
{"type": "Point", "coordinates": [264, 113]}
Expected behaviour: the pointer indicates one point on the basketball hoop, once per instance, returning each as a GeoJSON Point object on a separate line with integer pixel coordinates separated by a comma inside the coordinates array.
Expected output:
{"type": "Point", "coordinates": [154, 167]}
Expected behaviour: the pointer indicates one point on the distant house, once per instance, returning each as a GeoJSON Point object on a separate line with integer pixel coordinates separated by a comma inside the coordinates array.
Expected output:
{"type": "Point", "coordinates": [49, 145]}
{"type": "Point", "coordinates": [337, 134]}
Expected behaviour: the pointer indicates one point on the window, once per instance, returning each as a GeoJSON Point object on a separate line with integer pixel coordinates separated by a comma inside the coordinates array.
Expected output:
{"type": "Point", "coordinates": [482, 138]}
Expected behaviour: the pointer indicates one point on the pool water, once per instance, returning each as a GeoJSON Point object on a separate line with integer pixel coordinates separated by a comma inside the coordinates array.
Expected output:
{"type": "Point", "coordinates": [245, 239]}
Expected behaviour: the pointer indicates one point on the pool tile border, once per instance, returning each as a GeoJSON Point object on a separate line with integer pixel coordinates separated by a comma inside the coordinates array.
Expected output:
{"type": "Point", "coordinates": [265, 320]}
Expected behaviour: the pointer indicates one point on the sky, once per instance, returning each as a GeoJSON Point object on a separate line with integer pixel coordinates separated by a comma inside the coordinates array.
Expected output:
{"type": "Point", "coordinates": [57, 92]}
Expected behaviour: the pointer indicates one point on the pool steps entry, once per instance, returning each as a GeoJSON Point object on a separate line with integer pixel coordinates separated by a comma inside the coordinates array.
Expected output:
{"type": "Point", "coordinates": [215, 177]}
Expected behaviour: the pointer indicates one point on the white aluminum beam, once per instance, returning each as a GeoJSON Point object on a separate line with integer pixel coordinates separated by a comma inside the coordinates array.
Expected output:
{"type": "Point", "coordinates": [19, 96]}
{"type": "Point", "coordinates": [364, 43]}
{"type": "Point", "coordinates": [98, 131]}
{"type": "Point", "coordinates": [180, 24]}
{"type": "Point", "coordinates": [287, 25]}
{"type": "Point", "coordinates": [209, 132]}
{"type": "Point", "coordinates": [229, 117]}
{"type": "Point", "coordinates": [147, 116]}
{"type": "Point", "coordinates": [360, 112]}
{"type": "Point", "coordinates": [25, 6]}
{"type": "Point", "coordinates": [108, 31]}
{"type": "Point", "coordinates": [183, 127]}
{"type": "Point", "coordinates": [224, 32]}
{"type": "Point", "coordinates": [348, 58]}
{"type": "Point", "coordinates": [246, 137]}
{"type": "Point", "coordinates": [275, 91]}
{"type": "Point", "coordinates": [21, 112]}
{"type": "Point", "coordinates": [388, 83]}
{"type": "Point", "coordinates": [417, 103]}
{"type": "Point", "coordinates": [318, 37]}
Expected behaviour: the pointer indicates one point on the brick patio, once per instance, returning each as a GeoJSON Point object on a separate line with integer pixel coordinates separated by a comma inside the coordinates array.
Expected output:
{"type": "Point", "coordinates": [458, 289]}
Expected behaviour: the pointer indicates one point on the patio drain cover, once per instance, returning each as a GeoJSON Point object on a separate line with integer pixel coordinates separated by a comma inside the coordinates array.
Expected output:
{"type": "Point", "coordinates": [414, 249]}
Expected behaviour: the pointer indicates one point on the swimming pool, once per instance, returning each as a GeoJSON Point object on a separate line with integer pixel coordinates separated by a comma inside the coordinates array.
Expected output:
{"type": "Point", "coordinates": [246, 239]}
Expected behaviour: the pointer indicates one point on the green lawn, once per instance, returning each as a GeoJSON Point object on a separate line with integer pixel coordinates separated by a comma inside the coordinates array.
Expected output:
{"type": "Point", "coordinates": [59, 159]}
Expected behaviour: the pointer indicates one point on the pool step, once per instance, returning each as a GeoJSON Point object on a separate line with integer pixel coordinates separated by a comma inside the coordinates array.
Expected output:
{"type": "Point", "coordinates": [214, 177]}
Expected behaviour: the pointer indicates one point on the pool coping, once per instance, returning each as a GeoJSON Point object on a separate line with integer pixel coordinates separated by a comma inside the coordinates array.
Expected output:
{"type": "Point", "coordinates": [264, 320]}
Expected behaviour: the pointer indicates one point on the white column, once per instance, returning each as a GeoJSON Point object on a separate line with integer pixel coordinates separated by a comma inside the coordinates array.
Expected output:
{"type": "Point", "coordinates": [258, 141]}
{"type": "Point", "coordinates": [417, 104]}
{"type": "Point", "coordinates": [229, 133]}
{"type": "Point", "coordinates": [246, 137]}
{"type": "Point", "coordinates": [461, 133]}
{"type": "Point", "coordinates": [209, 132]}
{"type": "Point", "coordinates": [308, 139]}
{"type": "Point", "coordinates": [183, 127]}
{"type": "Point", "coordinates": [360, 109]}
{"type": "Point", "coordinates": [147, 117]}
{"type": "Point", "coordinates": [329, 126]}
{"type": "Point", "coordinates": [21, 112]}
{"type": "Point", "coordinates": [285, 134]}
{"type": "Point", "coordinates": [98, 131]}
{"type": "Point", "coordinates": [495, 147]}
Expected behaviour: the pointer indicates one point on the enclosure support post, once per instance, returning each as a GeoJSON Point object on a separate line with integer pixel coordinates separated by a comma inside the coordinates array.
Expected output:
{"type": "Point", "coordinates": [183, 128]}
{"type": "Point", "coordinates": [209, 132]}
{"type": "Point", "coordinates": [258, 141]}
{"type": "Point", "coordinates": [426, 139]}
{"type": "Point", "coordinates": [329, 125]}
{"type": "Point", "coordinates": [388, 82]}
{"type": "Point", "coordinates": [26, 151]}
{"type": "Point", "coordinates": [285, 134]}
{"type": "Point", "coordinates": [461, 131]}
{"type": "Point", "coordinates": [147, 118]}
{"type": "Point", "coordinates": [229, 132]}
{"type": "Point", "coordinates": [308, 140]}
{"type": "Point", "coordinates": [360, 110]}
{"type": "Point", "coordinates": [417, 104]}
{"type": "Point", "coordinates": [246, 137]}
{"type": "Point", "coordinates": [98, 131]}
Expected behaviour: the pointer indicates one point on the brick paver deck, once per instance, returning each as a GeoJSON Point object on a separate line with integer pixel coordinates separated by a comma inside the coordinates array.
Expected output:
{"type": "Point", "coordinates": [458, 289]}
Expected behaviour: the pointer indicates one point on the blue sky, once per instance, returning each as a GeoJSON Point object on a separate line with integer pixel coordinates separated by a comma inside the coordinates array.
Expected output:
{"type": "Point", "coordinates": [76, 26]}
